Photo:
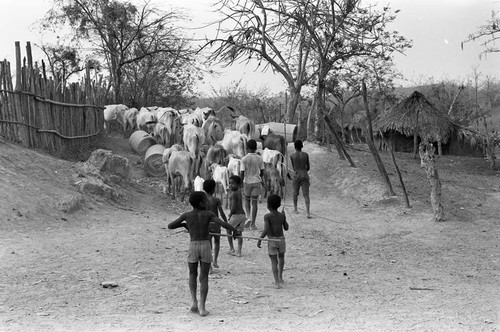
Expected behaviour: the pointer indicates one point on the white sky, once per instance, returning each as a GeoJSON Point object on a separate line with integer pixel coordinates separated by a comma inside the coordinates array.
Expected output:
{"type": "Point", "coordinates": [436, 27]}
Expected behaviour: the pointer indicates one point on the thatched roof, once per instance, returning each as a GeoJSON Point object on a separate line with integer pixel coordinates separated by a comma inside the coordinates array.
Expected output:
{"type": "Point", "coordinates": [403, 118]}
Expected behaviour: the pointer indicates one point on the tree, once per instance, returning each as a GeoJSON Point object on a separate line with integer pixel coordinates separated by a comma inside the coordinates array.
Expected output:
{"type": "Point", "coordinates": [341, 30]}
{"type": "Point", "coordinates": [66, 61]}
{"type": "Point", "coordinates": [263, 33]}
{"type": "Point", "coordinates": [119, 32]}
{"type": "Point", "coordinates": [488, 33]}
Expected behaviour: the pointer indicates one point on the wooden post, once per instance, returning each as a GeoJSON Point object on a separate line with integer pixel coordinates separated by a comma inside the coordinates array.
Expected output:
{"type": "Point", "coordinates": [340, 147]}
{"type": "Point", "coordinates": [427, 161]}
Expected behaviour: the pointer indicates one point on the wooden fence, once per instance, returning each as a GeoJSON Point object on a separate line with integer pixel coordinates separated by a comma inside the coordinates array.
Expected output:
{"type": "Point", "coordinates": [39, 112]}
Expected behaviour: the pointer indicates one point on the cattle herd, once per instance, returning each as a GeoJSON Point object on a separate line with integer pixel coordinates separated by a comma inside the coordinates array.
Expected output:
{"type": "Point", "coordinates": [197, 146]}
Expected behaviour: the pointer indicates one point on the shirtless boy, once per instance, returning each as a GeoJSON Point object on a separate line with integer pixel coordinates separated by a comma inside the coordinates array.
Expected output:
{"type": "Point", "coordinates": [214, 205]}
{"type": "Point", "coordinates": [237, 215]}
{"type": "Point", "coordinates": [197, 222]}
{"type": "Point", "coordinates": [274, 224]}
{"type": "Point", "coordinates": [300, 165]}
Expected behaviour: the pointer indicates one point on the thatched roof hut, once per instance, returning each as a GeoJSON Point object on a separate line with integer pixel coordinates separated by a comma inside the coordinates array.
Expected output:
{"type": "Point", "coordinates": [416, 115]}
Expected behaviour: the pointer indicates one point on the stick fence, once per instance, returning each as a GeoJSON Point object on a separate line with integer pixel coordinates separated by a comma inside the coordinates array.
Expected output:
{"type": "Point", "coordinates": [39, 112]}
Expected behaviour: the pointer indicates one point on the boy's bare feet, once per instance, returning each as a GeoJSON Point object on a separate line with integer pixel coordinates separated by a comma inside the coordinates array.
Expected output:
{"type": "Point", "coordinates": [231, 251]}
{"type": "Point", "coordinates": [216, 265]}
{"type": "Point", "coordinates": [309, 216]}
{"type": "Point", "coordinates": [236, 253]}
{"type": "Point", "coordinates": [254, 227]}
{"type": "Point", "coordinates": [296, 211]}
{"type": "Point", "coordinates": [203, 312]}
{"type": "Point", "coordinates": [277, 285]}
{"type": "Point", "coordinates": [194, 308]}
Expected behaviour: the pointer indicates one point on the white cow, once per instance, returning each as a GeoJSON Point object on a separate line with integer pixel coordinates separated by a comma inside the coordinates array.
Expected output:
{"type": "Point", "coordinates": [234, 142]}
{"type": "Point", "coordinates": [234, 165]}
{"type": "Point", "coordinates": [220, 174]}
{"type": "Point", "coordinates": [198, 183]}
{"type": "Point", "coordinates": [114, 113]}
{"type": "Point", "coordinates": [179, 164]}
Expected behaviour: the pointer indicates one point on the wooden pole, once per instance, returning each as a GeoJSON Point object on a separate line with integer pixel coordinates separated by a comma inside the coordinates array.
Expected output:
{"type": "Point", "coordinates": [247, 237]}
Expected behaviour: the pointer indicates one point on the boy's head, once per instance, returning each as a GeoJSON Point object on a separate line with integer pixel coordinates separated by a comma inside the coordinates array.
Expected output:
{"type": "Point", "coordinates": [209, 186]}
{"type": "Point", "coordinates": [234, 182]}
{"type": "Point", "coordinates": [298, 144]}
{"type": "Point", "coordinates": [197, 199]}
{"type": "Point", "coordinates": [274, 201]}
{"type": "Point", "coordinates": [252, 145]}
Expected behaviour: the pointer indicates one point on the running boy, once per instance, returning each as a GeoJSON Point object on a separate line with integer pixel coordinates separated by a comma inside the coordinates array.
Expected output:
{"type": "Point", "coordinates": [214, 205]}
{"type": "Point", "coordinates": [300, 164]}
{"type": "Point", "coordinates": [252, 168]}
{"type": "Point", "coordinates": [274, 224]}
{"type": "Point", "coordinates": [197, 222]}
{"type": "Point", "coordinates": [237, 215]}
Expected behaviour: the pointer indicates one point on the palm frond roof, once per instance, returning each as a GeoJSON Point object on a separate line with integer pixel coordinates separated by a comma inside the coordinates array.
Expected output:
{"type": "Point", "coordinates": [413, 111]}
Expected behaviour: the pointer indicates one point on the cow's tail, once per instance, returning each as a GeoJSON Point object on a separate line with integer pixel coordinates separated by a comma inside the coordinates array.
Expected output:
{"type": "Point", "coordinates": [244, 141]}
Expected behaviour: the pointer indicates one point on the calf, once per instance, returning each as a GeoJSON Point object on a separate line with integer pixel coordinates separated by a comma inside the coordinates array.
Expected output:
{"type": "Point", "coordinates": [220, 174]}
{"type": "Point", "coordinates": [273, 181]}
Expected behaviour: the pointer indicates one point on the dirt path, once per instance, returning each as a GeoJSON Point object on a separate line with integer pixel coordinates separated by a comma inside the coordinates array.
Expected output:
{"type": "Point", "coordinates": [353, 267]}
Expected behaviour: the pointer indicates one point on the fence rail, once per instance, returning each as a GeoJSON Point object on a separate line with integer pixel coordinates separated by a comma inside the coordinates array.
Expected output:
{"type": "Point", "coordinates": [41, 113]}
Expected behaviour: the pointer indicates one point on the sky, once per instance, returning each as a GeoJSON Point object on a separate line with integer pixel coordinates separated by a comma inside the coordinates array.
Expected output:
{"type": "Point", "coordinates": [437, 28]}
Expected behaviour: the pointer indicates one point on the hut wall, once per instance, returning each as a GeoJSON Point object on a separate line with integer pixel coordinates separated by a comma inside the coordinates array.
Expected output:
{"type": "Point", "coordinates": [458, 147]}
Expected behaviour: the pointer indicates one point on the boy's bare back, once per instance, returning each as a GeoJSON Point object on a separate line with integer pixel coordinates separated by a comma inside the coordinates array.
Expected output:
{"type": "Point", "coordinates": [275, 222]}
{"type": "Point", "coordinates": [213, 204]}
{"type": "Point", "coordinates": [197, 223]}
{"type": "Point", "coordinates": [236, 203]}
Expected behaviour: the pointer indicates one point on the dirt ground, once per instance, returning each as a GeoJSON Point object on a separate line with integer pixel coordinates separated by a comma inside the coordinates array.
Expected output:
{"type": "Point", "coordinates": [365, 262]}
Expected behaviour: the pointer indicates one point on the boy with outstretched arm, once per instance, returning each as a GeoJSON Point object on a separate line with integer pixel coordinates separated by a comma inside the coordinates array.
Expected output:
{"type": "Point", "coordinates": [237, 216]}
{"type": "Point", "coordinates": [274, 224]}
{"type": "Point", "coordinates": [214, 205]}
{"type": "Point", "coordinates": [197, 222]}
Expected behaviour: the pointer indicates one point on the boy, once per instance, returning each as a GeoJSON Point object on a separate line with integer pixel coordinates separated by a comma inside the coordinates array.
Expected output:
{"type": "Point", "coordinates": [237, 215]}
{"type": "Point", "coordinates": [197, 222]}
{"type": "Point", "coordinates": [300, 165]}
{"type": "Point", "coordinates": [252, 168]}
{"type": "Point", "coordinates": [274, 224]}
{"type": "Point", "coordinates": [214, 205]}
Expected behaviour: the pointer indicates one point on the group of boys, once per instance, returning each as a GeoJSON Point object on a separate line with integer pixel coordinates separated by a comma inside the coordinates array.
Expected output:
{"type": "Point", "coordinates": [203, 221]}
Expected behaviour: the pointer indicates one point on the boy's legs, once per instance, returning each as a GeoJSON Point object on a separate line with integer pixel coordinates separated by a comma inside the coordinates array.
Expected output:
{"type": "Point", "coordinates": [240, 246]}
{"type": "Point", "coordinates": [255, 201]}
{"type": "Point", "coordinates": [193, 274]}
{"type": "Point", "coordinates": [274, 267]}
{"type": "Point", "coordinates": [295, 199]}
{"type": "Point", "coordinates": [216, 249]}
{"type": "Point", "coordinates": [308, 203]}
{"type": "Point", "coordinates": [248, 211]}
{"type": "Point", "coordinates": [230, 241]}
{"type": "Point", "coordinates": [204, 270]}
{"type": "Point", "coordinates": [281, 265]}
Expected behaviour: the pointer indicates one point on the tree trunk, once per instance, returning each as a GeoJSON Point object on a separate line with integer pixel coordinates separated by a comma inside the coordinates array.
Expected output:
{"type": "Point", "coordinates": [292, 104]}
{"type": "Point", "coordinates": [490, 148]}
{"type": "Point", "coordinates": [368, 133]}
{"type": "Point", "coordinates": [428, 162]}
{"type": "Point", "coordinates": [319, 128]}
{"type": "Point", "coordinates": [309, 120]}
{"type": "Point", "coordinates": [338, 144]}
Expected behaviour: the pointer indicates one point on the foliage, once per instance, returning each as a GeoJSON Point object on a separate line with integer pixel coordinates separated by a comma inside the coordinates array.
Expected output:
{"type": "Point", "coordinates": [259, 105]}
{"type": "Point", "coordinates": [488, 34]}
{"type": "Point", "coordinates": [120, 34]}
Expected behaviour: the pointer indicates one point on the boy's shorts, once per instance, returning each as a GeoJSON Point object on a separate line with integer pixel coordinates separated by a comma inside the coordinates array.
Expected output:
{"type": "Point", "coordinates": [252, 189]}
{"type": "Point", "coordinates": [301, 180]}
{"type": "Point", "coordinates": [275, 247]}
{"type": "Point", "coordinates": [200, 251]}
{"type": "Point", "coordinates": [238, 221]}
